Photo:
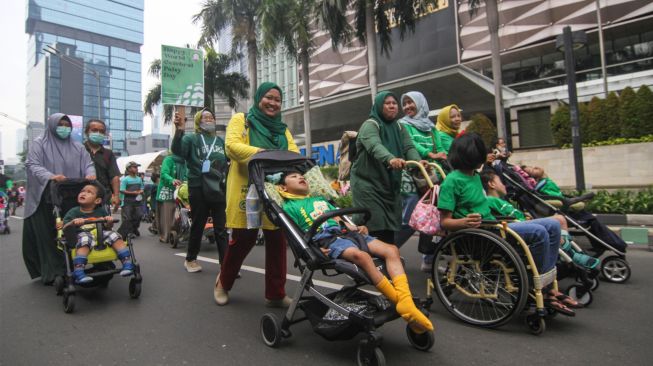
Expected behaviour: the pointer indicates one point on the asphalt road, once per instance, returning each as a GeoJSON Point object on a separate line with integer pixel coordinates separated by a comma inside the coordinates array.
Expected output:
{"type": "Point", "coordinates": [175, 321]}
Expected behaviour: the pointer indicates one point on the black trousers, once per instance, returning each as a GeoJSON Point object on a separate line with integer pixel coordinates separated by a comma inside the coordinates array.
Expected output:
{"type": "Point", "coordinates": [131, 219]}
{"type": "Point", "coordinates": [386, 236]}
{"type": "Point", "coordinates": [200, 209]}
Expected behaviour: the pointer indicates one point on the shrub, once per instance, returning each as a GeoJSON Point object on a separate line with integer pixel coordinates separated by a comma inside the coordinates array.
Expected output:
{"type": "Point", "coordinates": [611, 127]}
{"type": "Point", "coordinates": [622, 202]}
{"type": "Point", "coordinates": [596, 117]}
{"type": "Point", "coordinates": [615, 141]}
{"type": "Point", "coordinates": [330, 172]}
{"type": "Point", "coordinates": [482, 125]}
{"type": "Point", "coordinates": [644, 110]}
{"type": "Point", "coordinates": [561, 126]}
{"type": "Point", "coordinates": [627, 113]}
{"type": "Point", "coordinates": [345, 201]}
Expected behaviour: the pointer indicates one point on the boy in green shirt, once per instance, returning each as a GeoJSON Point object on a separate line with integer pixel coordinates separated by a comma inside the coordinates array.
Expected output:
{"type": "Point", "coordinates": [90, 200]}
{"type": "Point", "coordinates": [496, 190]}
{"type": "Point", "coordinates": [339, 239]}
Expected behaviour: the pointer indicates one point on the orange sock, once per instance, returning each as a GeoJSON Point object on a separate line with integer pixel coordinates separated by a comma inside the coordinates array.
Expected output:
{"type": "Point", "coordinates": [387, 290]}
{"type": "Point", "coordinates": [406, 307]}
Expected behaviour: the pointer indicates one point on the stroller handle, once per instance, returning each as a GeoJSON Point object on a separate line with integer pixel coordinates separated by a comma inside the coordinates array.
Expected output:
{"type": "Point", "coordinates": [93, 220]}
{"type": "Point", "coordinates": [339, 212]}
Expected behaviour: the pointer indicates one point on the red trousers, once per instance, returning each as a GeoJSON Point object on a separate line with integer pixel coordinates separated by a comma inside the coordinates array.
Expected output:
{"type": "Point", "coordinates": [242, 241]}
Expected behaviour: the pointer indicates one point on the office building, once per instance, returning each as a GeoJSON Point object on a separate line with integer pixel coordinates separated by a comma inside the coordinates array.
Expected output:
{"type": "Point", "coordinates": [98, 52]}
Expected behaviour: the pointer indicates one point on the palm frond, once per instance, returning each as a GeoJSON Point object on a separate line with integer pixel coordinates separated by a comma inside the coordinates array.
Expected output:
{"type": "Point", "coordinates": [152, 99]}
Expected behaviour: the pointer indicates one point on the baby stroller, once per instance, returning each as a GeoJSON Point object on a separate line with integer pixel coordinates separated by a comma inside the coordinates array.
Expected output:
{"type": "Point", "coordinates": [339, 315]}
{"type": "Point", "coordinates": [4, 223]}
{"type": "Point", "coordinates": [101, 258]}
{"type": "Point", "coordinates": [614, 266]}
{"type": "Point", "coordinates": [181, 225]}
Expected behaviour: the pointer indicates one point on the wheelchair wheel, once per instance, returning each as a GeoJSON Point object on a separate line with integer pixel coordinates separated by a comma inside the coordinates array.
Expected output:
{"type": "Point", "coordinates": [134, 288]}
{"type": "Point", "coordinates": [270, 330]}
{"type": "Point", "coordinates": [422, 342]}
{"type": "Point", "coordinates": [480, 278]}
{"type": "Point", "coordinates": [365, 357]}
{"type": "Point", "coordinates": [580, 294]}
{"type": "Point", "coordinates": [536, 324]}
{"type": "Point", "coordinates": [615, 269]}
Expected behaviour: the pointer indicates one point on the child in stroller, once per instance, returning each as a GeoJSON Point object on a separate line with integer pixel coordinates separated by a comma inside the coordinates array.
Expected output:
{"type": "Point", "coordinates": [181, 222]}
{"type": "Point", "coordinates": [339, 239]}
{"type": "Point", "coordinates": [74, 225]}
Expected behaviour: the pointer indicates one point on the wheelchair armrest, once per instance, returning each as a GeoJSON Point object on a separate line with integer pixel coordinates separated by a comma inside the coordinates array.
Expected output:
{"type": "Point", "coordinates": [331, 214]}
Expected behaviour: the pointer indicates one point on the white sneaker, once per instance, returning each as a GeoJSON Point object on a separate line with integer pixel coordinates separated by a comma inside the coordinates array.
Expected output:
{"type": "Point", "coordinates": [426, 267]}
{"type": "Point", "coordinates": [192, 266]}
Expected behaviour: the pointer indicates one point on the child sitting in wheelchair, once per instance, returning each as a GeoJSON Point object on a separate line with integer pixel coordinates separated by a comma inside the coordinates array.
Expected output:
{"type": "Point", "coordinates": [496, 190]}
{"type": "Point", "coordinates": [463, 204]}
{"type": "Point", "coordinates": [90, 199]}
{"type": "Point", "coordinates": [339, 239]}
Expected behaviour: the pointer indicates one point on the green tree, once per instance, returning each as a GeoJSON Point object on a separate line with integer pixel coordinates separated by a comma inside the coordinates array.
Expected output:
{"type": "Point", "coordinates": [612, 125]}
{"type": "Point", "coordinates": [292, 23]}
{"type": "Point", "coordinates": [597, 118]}
{"type": "Point", "coordinates": [629, 119]}
{"type": "Point", "coordinates": [561, 126]}
{"type": "Point", "coordinates": [644, 110]}
{"type": "Point", "coordinates": [23, 156]}
{"type": "Point", "coordinates": [482, 125]}
{"type": "Point", "coordinates": [584, 121]}
{"type": "Point", "coordinates": [371, 14]}
{"type": "Point", "coordinates": [231, 86]}
{"type": "Point", "coordinates": [242, 16]}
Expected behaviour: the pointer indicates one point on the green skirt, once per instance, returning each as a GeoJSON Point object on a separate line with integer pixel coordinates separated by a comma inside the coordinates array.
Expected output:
{"type": "Point", "coordinates": [40, 253]}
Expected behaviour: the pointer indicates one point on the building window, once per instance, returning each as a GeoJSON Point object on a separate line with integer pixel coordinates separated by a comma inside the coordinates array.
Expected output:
{"type": "Point", "coordinates": [535, 127]}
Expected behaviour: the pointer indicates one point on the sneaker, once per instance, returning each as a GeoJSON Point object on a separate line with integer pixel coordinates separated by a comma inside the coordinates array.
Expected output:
{"type": "Point", "coordinates": [426, 267]}
{"type": "Point", "coordinates": [281, 303]}
{"type": "Point", "coordinates": [192, 266]}
{"type": "Point", "coordinates": [127, 269]}
{"type": "Point", "coordinates": [81, 277]}
{"type": "Point", "coordinates": [220, 295]}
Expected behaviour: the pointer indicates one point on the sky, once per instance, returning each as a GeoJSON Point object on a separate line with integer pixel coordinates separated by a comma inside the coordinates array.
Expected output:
{"type": "Point", "coordinates": [166, 22]}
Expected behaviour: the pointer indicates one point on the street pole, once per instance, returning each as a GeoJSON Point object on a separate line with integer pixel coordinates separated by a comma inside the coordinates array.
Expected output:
{"type": "Point", "coordinates": [570, 66]}
{"type": "Point", "coordinates": [604, 72]}
{"type": "Point", "coordinates": [492, 14]}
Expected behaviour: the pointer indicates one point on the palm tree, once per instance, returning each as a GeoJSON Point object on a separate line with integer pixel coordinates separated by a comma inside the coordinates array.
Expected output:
{"type": "Point", "coordinates": [231, 86]}
{"type": "Point", "coordinates": [368, 14]}
{"type": "Point", "coordinates": [242, 17]}
{"type": "Point", "coordinates": [292, 24]}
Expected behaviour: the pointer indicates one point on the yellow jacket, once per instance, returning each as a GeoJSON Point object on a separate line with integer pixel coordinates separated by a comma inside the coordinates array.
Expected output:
{"type": "Point", "coordinates": [240, 151]}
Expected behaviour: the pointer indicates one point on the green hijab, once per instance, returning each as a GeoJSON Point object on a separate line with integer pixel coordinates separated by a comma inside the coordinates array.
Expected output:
{"type": "Point", "coordinates": [265, 131]}
{"type": "Point", "coordinates": [180, 166]}
{"type": "Point", "coordinates": [389, 129]}
{"type": "Point", "coordinates": [389, 133]}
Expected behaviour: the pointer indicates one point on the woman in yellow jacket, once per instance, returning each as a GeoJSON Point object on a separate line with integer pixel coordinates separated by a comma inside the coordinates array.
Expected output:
{"type": "Point", "coordinates": [261, 129]}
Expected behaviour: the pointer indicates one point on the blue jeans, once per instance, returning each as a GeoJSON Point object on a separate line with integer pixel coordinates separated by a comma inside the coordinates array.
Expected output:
{"type": "Point", "coordinates": [543, 239]}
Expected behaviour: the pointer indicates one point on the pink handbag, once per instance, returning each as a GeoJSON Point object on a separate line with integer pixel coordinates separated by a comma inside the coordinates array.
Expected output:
{"type": "Point", "coordinates": [426, 217]}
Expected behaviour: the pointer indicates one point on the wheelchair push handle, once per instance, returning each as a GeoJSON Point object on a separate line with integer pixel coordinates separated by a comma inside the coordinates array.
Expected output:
{"type": "Point", "coordinates": [339, 212]}
{"type": "Point", "coordinates": [424, 172]}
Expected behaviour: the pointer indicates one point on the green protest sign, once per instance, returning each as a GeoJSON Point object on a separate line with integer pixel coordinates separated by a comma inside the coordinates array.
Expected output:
{"type": "Point", "coordinates": [182, 76]}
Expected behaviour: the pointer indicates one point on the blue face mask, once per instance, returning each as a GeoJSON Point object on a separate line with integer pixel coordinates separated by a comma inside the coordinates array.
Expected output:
{"type": "Point", "coordinates": [96, 138]}
{"type": "Point", "coordinates": [63, 132]}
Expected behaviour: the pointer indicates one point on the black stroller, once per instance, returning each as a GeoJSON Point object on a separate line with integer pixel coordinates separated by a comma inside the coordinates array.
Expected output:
{"type": "Point", "coordinates": [101, 258]}
{"type": "Point", "coordinates": [339, 315]}
{"type": "Point", "coordinates": [604, 243]}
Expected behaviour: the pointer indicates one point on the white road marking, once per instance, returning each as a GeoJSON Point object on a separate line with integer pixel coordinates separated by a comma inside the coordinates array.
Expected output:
{"type": "Point", "coordinates": [291, 277]}
{"type": "Point", "coordinates": [17, 217]}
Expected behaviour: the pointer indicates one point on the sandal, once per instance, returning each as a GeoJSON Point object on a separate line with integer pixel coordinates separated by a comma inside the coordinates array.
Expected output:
{"type": "Point", "coordinates": [568, 301]}
{"type": "Point", "coordinates": [559, 307]}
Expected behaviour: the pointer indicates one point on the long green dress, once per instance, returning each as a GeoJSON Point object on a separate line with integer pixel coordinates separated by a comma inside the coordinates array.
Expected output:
{"type": "Point", "coordinates": [373, 183]}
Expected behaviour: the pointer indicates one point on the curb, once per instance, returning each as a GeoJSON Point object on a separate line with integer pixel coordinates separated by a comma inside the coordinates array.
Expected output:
{"type": "Point", "coordinates": [625, 219]}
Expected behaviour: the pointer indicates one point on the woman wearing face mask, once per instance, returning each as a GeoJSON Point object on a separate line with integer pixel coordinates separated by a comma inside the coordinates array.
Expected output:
{"type": "Point", "coordinates": [106, 166]}
{"type": "Point", "coordinates": [382, 146]}
{"type": "Point", "coordinates": [260, 129]}
{"type": "Point", "coordinates": [203, 152]}
{"type": "Point", "coordinates": [52, 156]}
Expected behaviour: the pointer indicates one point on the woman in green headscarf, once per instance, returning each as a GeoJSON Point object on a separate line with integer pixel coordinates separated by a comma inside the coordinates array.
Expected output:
{"type": "Point", "coordinates": [382, 146]}
{"type": "Point", "coordinates": [173, 174]}
{"type": "Point", "coordinates": [260, 129]}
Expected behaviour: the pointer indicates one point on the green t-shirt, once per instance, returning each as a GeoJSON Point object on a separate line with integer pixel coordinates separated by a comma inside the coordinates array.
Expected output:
{"type": "Point", "coordinates": [549, 188]}
{"type": "Point", "coordinates": [463, 195]}
{"type": "Point", "coordinates": [76, 213]}
{"type": "Point", "coordinates": [502, 207]}
{"type": "Point", "coordinates": [445, 141]}
{"type": "Point", "coordinates": [305, 211]}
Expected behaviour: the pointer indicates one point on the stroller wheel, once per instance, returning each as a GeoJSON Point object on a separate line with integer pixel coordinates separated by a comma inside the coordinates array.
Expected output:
{"type": "Point", "coordinates": [595, 283]}
{"type": "Point", "coordinates": [422, 342]}
{"type": "Point", "coordinates": [270, 330]}
{"type": "Point", "coordinates": [69, 300]}
{"type": "Point", "coordinates": [134, 288]}
{"type": "Point", "coordinates": [615, 269]}
{"type": "Point", "coordinates": [173, 239]}
{"type": "Point", "coordinates": [373, 357]}
{"type": "Point", "coordinates": [59, 284]}
{"type": "Point", "coordinates": [580, 294]}
{"type": "Point", "coordinates": [536, 324]}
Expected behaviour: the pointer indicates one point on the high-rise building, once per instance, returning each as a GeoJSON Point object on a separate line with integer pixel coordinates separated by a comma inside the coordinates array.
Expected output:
{"type": "Point", "coordinates": [20, 140]}
{"type": "Point", "coordinates": [33, 130]}
{"type": "Point", "coordinates": [100, 39]}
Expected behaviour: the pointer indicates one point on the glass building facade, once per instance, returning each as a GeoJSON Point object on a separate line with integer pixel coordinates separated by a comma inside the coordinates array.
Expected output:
{"type": "Point", "coordinates": [105, 37]}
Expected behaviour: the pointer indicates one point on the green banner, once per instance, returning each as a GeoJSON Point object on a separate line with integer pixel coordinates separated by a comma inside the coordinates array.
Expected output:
{"type": "Point", "coordinates": [182, 76]}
